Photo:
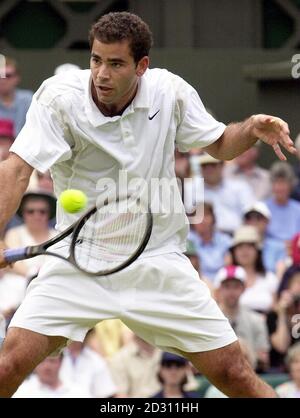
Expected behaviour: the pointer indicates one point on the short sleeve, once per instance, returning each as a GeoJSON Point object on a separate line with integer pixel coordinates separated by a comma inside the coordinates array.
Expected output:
{"type": "Point", "coordinates": [42, 141]}
{"type": "Point", "coordinates": [198, 128]}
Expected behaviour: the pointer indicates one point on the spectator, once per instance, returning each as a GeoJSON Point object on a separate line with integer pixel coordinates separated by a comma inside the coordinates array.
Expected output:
{"type": "Point", "coordinates": [6, 137]}
{"type": "Point", "coordinates": [285, 220]}
{"type": "Point", "coordinates": [45, 182]}
{"type": "Point", "coordinates": [280, 320]}
{"type": "Point", "coordinates": [291, 389]}
{"type": "Point", "coordinates": [85, 367]}
{"type": "Point", "coordinates": [211, 245]}
{"type": "Point", "coordinates": [134, 369]}
{"type": "Point", "coordinates": [251, 326]}
{"type": "Point", "coordinates": [110, 336]}
{"type": "Point", "coordinates": [63, 68]}
{"type": "Point", "coordinates": [296, 191]}
{"type": "Point", "coordinates": [192, 255]}
{"type": "Point", "coordinates": [273, 250]}
{"type": "Point", "coordinates": [46, 382]}
{"type": "Point", "coordinates": [245, 168]}
{"type": "Point", "coordinates": [228, 197]}
{"type": "Point", "coordinates": [14, 102]}
{"type": "Point", "coordinates": [2, 329]}
{"type": "Point", "coordinates": [12, 292]}
{"type": "Point", "coordinates": [36, 209]}
{"type": "Point", "coordinates": [173, 375]}
{"type": "Point", "coordinates": [261, 285]}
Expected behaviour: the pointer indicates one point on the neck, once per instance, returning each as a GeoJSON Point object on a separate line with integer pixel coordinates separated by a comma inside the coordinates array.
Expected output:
{"type": "Point", "coordinates": [229, 311]}
{"type": "Point", "coordinates": [206, 236]}
{"type": "Point", "coordinates": [114, 109]}
{"type": "Point", "coordinates": [282, 201]}
{"type": "Point", "coordinates": [39, 233]}
{"type": "Point", "coordinates": [7, 98]}
{"type": "Point", "coordinates": [53, 385]}
{"type": "Point", "coordinates": [172, 391]}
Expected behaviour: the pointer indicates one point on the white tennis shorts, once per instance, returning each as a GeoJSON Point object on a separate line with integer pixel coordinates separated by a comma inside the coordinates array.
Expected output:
{"type": "Point", "coordinates": [161, 298]}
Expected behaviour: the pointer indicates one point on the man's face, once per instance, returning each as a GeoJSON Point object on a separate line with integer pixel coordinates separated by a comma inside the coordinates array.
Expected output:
{"type": "Point", "coordinates": [281, 189]}
{"type": "Point", "coordinates": [115, 73]}
{"type": "Point", "coordinates": [10, 82]}
{"type": "Point", "coordinates": [258, 221]}
{"type": "Point", "coordinates": [48, 370]}
{"type": "Point", "coordinates": [212, 173]}
{"type": "Point", "coordinates": [230, 292]}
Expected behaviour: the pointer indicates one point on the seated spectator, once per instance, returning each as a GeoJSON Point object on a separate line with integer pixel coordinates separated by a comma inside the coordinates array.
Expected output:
{"type": "Point", "coordinates": [6, 137]}
{"type": "Point", "coordinates": [285, 219]}
{"type": "Point", "coordinates": [14, 102]}
{"type": "Point", "coordinates": [45, 182]}
{"type": "Point", "coordinates": [296, 191]}
{"type": "Point", "coordinates": [134, 369]}
{"type": "Point", "coordinates": [46, 383]}
{"type": "Point", "coordinates": [273, 250]}
{"type": "Point", "coordinates": [12, 292]}
{"type": "Point", "coordinates": [245, 168]}
{"type": "Point", "coordinates": [2, 329]}
{"type": "Point", "coordinates": [192, 255]}
{"type": "Point", "coordinates": [249, 325]}
{"type": "Point", "coordinates": [291, 389]}
{"type": "Point", "coordinates": [228, 197]}
{"type": "Point", "coordinates": [36, 209]}
{"type": "Point", "coordinates": [211, 245]}
{"type": "Point", "coordinates": [86, 368]}
{"type": "Point", "coordinates": [280, 320]}
{"type": "Point", "coordinates": [110, 336]}
{"type": "Point", "coordinates": [64, 68]}
{"type": "Point", "coordinates": [261, 285]}
{"type": "Point", "coordinates": [173, 375]}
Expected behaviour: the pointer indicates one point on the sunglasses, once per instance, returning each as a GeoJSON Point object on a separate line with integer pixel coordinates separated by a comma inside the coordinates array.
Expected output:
{"type": "Point", "coordinates": [254, 216]}
{"type": "Point", "coordinates": [40, 211]}
{"type": "Point", "coordinates": [170, 364]}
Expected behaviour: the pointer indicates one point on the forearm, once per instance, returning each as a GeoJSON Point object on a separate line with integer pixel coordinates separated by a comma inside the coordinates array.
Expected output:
{"type": "Point", "coordinates": [14, 178]}
{"type": "Point", "coordinates": [236, 139]}
{"type": "Point", "coordinates": [281, 338]}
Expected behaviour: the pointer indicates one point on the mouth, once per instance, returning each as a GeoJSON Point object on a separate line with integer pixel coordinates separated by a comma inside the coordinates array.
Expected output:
{"type": "Point", "coordinates": [104, 89]}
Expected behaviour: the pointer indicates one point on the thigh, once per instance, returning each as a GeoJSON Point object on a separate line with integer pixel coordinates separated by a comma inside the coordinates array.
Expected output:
{"type": "Point", "coordinates": [25, 349]}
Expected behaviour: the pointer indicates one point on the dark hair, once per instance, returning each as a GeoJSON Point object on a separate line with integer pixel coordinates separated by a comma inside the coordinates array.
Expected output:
{"type": "Point", "coordinates": [287, 278]}
{"type": "Point", "coordinates": [119, 26]}
{"type": "Point", "coordinates": [259, 265]}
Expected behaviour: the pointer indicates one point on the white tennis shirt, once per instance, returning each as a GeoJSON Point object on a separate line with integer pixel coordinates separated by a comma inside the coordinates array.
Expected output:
{"type": "Point", "coordinates": [66, 132]}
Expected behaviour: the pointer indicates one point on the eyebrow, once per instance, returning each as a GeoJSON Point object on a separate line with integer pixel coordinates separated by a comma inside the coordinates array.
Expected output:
{"type": "Point", "coordinates": [120, 60]}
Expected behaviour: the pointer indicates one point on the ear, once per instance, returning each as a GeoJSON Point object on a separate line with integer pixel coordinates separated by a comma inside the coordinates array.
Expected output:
{"type": "Point", "coordinates": [142, 66]}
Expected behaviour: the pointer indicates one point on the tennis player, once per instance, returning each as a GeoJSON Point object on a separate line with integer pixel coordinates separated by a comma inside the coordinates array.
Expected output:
{"type": "Point", "coordinates": [89, 125]}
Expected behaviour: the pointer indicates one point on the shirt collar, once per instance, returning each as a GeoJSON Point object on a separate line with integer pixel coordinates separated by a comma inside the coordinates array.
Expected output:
{"type": "Point", "coordinates": [94, 115]}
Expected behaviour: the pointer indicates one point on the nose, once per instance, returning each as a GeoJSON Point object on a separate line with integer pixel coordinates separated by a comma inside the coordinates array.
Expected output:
{"type": "Point", "coordinates": [103, 72]}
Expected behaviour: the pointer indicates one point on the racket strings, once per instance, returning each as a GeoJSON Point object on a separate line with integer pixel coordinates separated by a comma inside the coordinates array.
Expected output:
{"type": "Point", "coordinates": [109, 238]}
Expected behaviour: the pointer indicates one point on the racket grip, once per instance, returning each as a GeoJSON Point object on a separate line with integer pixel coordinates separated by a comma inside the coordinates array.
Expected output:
{"type": "Point", "coordinates": [12, 255]}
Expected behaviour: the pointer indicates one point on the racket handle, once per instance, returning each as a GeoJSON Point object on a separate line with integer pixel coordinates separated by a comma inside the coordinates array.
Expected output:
{"type": "Point", "coordinates": [12, 255]}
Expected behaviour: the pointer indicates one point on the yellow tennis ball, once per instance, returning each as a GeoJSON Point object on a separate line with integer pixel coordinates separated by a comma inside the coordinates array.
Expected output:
{"type": "Point", "coordinates": [73, 200]}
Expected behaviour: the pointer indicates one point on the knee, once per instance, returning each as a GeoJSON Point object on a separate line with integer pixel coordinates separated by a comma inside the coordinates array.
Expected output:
{"type": "Point", "coordinates": [236, 370]}
{"type": "Point", "coordinates": [10, 376]}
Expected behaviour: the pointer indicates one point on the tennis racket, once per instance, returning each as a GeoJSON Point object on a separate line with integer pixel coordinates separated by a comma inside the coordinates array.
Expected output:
{"type": "Point", "coordinates": [106, 239]}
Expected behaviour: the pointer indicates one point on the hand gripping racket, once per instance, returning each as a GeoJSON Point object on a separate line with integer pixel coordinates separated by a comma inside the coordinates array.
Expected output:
{"type": "Point", "coordinates": [106, 239]}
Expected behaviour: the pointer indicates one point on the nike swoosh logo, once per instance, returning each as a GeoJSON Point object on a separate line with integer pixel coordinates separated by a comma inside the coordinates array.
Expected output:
{"type": "Point", "coordinates": [153, 116]}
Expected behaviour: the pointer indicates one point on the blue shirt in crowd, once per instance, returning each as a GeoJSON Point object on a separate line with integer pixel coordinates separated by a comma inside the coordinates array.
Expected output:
{"type": "Point", "coordinates": [211, 254]}
{"type": "Point", "coordinates": [285, 220]}
{"type": "Point", "coordinates": [17, 112]}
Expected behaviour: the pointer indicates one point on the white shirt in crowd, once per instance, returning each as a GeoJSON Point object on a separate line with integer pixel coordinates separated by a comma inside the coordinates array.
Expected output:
{"type": "Point", "coordinates": [259, 297]}
{"type": "Point", "coordinates": [33, 388]}
{"type": "Point", "coordinates": [83, 147]}
{"type": "Point", "coordinates": [89, 370]}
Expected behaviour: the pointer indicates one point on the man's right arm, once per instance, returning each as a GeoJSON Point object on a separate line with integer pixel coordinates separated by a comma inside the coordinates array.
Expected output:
{"type": "Point", "coordinates": [14, 178]}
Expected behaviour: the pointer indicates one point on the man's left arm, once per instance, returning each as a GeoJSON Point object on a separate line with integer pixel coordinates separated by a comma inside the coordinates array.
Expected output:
{"type": "Point", "coordinates": [238, 137]}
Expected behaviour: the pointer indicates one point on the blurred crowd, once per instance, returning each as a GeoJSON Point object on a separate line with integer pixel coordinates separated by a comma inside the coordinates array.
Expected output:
{"type": "Point", "coordinates": [244, 241]}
